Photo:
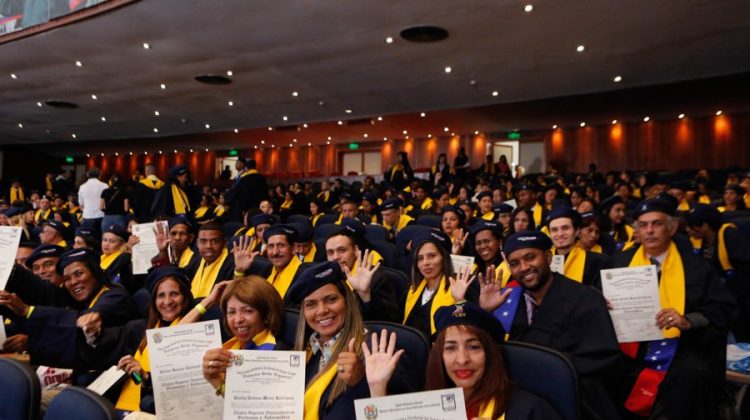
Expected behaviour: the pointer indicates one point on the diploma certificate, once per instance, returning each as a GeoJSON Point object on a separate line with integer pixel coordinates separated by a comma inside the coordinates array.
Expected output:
{"type": "Point", "coordinates": [10, 236]}
{"type": "Point", "coordinates": [146, 248]}
{"type": "Point", "coordinates": [176, 356]}
{"type": "Point", "coordinates": [634, 295]}
{"type": "Point", "coordinates": [265, 385]}
{"type": "Point", "coordinates": [443, 404]}
{"type": "Point", "coordinates": [460, 262]}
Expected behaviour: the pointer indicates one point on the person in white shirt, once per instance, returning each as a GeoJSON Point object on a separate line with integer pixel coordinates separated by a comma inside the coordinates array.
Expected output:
{"type": "Point", "coordinates": [89, 195]}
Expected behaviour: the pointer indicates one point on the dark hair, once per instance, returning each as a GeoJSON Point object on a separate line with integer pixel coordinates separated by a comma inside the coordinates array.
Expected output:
{"type": "Point", "coordinates": [212, 226]}
{"type": "Point", "coordinates": [447, 269]}
{"type": "Point", "coordinates": [93, 173]}
{"type": "Point", "coordinates": [153, 312]}
{"type": "Point", "coordinates": [494, 383]}
{"type": "Point", "coordinates": [529, 214]}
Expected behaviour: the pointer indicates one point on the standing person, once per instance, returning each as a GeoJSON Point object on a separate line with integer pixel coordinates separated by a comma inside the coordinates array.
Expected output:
{"type": "Point", "coordinates": [89, 199]}
{"type": "Point", "coordinates": [400, 173]}
{"type": "Point", "coordinates": [115, 203]}
{"type": "Point", "coordinates": [248, 189]}
{"type": "Point", "coordinates": [173, 199]}
{"type": "Point", "coordinates": [144, 193]}
{"type": "Point", "coordinates": [440, 171]}
{"type": "Point", "coordinates": [461, 165]}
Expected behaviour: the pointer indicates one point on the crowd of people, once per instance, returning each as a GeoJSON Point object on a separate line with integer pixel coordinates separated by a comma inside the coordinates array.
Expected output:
{"type": "Point", "coordinates": [345, 254]}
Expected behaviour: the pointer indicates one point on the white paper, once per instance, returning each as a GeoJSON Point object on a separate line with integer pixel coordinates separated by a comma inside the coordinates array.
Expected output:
{"type": "Point", "coordinates": [146, 248]}
{"type": "Point", "coordinates": [460, 262]}
{"type": "Point", "coordinates": [634, 295]}
{"type": "Point", "coordinates": [10, 236]}
{"type": "Point", "coordinates": [265, 384]}
{"type": "Point", "coordinates": [443, 404]}
{"type": "Point", "coordinates": [558, 264]}
{"type": "Point", "coordinates": [176, 357]}
{"type": "Point", "coordinates": [3, 337]}
{"type": "Point", "coordinates": [106, 380]}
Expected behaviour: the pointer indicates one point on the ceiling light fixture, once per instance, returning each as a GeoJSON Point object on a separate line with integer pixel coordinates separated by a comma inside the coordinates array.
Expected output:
{"type": "Point", "coordinates": [270, 128]}
{"type": "Point", "coordinates": [581, 48]}
{"type": "Point", "coordinates": [380, 118]}
{"type": "Point", "coordinates": [294, 140]}
{"type": "Point", "coordinates": [554, 126]}
{"type": "Point", "coordinates": [285, 118]}
{"type": "Point", "coordinates": [617, 79]}
{"type": "Point", "coordinates": [156, 130]}
{"type": "Point", "coordinates": [208, 126]}
{"type": "Point", "coordinates": [130, 153]}
{"type": "Point", "coordinates": [446, 129]}
{"type": "Point", "coordinates": [583, 124]}
{"type": "Point", "coordinates": [719, 112]}
{"type": "Point", "coordinates": [104, 119]}
{"type": "Point", "coordinates": [236, 130]}
{"type": "Point", "coordinates": [79, 64]}
{"type": "Point", "coordinates": [262, 142]}
{"type": "Point", "coordinates": [389, 40]}
{"type": "Point", "coordinates": [94, 97]}
{"type": "Point", "coordinates": [528, 8]}
{"type": "Point", "coordinates": [495, 93]}
{"type": "Point", "coordinates": [20, 125]}
{"type": "Point", "coordinates": [163, 86]}
{"type": "Point", "coordinates": [329, 137]}
{"type": "Point", "coordinates": [146, 46]}
{"type": "Point", "coordinates": [230, 103]}
{"type": "Point", "coordinates": [328, 142]}
{"type": "Point", "coordinates": [295, 93]}
{"type": "Point", "coordinates": [476, 132]}
{"type": "Point", "coordinates": [385, 138]}
{"type": "Point", "coordinates": [304, 125]}
{"type": "Point", "coordinates": [423, 115]}
{"type": "Point", "coordinates": [365, 136]}
{"type": "Point", "coordinates": [405, 132]}
{"type": "Point", "coordinates": [646, 119]}
{"type": "Point", "coordinates": [160, 152]}
{"type": "Point", "coordinates": [39, 104]}
{"type": "Point", "coordinates": [614, 122]}
{"type": "Point", "coordinates": [681, 116]}
{"type": "Point", "coordinates": [13, 76]}
{"type": "Point", "coordinates": [156, 113]}
{"type": "Point", "coordinates": [429, 136]}
{"type": "Point", "coordinates": [348, 111]}
{"type": "Point", "coordinates": [73, 135]}
{"type": "Point", "coordinates": [117, 153]}
{"type": "Point", "coordinates": [340, 122]}
{"type": "Point", "coordinates": [230, 73]}
{"type": "Point", "coordinates": [448, 69]}
{"type": "Point", "coordinates": [309, 144]}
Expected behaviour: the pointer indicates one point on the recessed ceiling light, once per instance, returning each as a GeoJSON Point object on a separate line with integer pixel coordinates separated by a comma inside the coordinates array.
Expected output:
{"type": "Point", "coordinates": [429, 136]}
{"type": "Point", "coordinates": [104, 119]}
{"type": "Point", "coordinates": [389, 40]}
{"type": "Point", "coordinates": [255, 147]}
{"type": "Point", "coordinates": [20, 125]}
{"type": "Point", "coordinates": [290, 145]}
{"type": "Point", "coordinates": [73, 135]}
{"type": "Point", "coordinates": [328, 142]}
{"type": "Point", "coordinates": [160, 152]}
{"type": "Point", "coordinates": [163, 86]}
{"type": "Point", "coordinates": [117, 153]}
{"type": "Point", "coordinates": [236, 130]}
{"type": "Point", "coordinates": [94, 97]}
{"type": "Point", "coordinates": [207, 149]}
{"type": "Point", "coordinates": [156, 113]}
{"type": "Point", "coordinates": [340, 122]}
{"type": "Point", "coordinates": [175, 151]}
{"type": "Point", "coordinates": [581, 48]}
{"type": "Point", "coordinates": [230, 73]}
{"type": "Point", "coordinates": [103, 154]}
{"type": "Point", "coordinates": [614, 122]}
{"type": "Point", "coordinates": [156, 130]}
{"type": "Point", "coordinates": [295, 93]}
{"type": "Point", "coordinates": [495, 93]}
{"type": "Point", "coordinates": [146, 46]}
{"type": "Point", "coordinates": [79, 64]}
{"type": "Point", "coordinates": [681, 116]}
{"type": "Point", "coordinates": [380, 118]}
{"type": "Point", "coordinates": [273, 146]}
{"type": "Point", "coordinates": [348, 111]}
{"type": "Point", "coordinates": [294, 140]}
{"type": "Point", "coordinates": [448, 69]}
{"type": "Point", "coordinates": [262, 142]}
{"type": "Point", "coordinates": [646, 119]}
{"type": "Point", "coordinates": [583, 124]}
{"type": "Point", "coordinates": [385, 138]}
{"type": "Point", "coordinates": [304, 125]}
{"type": "Point", "coordinates": [365, 136]}
{"type": "Point", "coordinates": [131, 153]}
{"type": "Point", "coordinates": [39, 104]}
{"type": "Point", "coordinates": [88, 155]}
{"type": "Point", "coordinates": [422, 115]}
{"type": "Point", "coordinates": [207, 126]}
{"type": "Point", "coordinates": [230, 103]}
{"type": "Point", "coordinates": [554, 126]}
{"type": "Point", "coordinates": [405, 132]}
{"type": "Point", "coordinates": [270, 128]}
{"type": "Point", "coordinates": [476, 132]}
{"type": "Point", "coordinates": [285, 118]}
{"type": "Point", "coordinates": [329, 137]}
{"type": "Point", "coordinates": [719, 112]}
{"type": "Point", "coordinates": [13, 76]}
{"type": "Point", "coordinates": [446, 129]}
{"type": "Point", "coordinates": [528, 8]}
{"type": "Point", "coordinates": [617, 79]}
{"type": "Point", "coordinates": [309, 144]}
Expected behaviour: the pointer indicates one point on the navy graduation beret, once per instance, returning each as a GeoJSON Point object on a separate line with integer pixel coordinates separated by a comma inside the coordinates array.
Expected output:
{"type": "Point", "coordinates": [59, 227]}
{"type": "Point", "coordinates": [483, 194]}
{"type": "Point", "coordinates": [522, 186]}
{"type": "Point", "coordinates": [287, 230]}
{"type": "Point", "coordinates": [86, 255]}
{"type": "Point", "coordinates": [564, 212]}
{"type": "Point", "coordinates": [669, 198]}
{"type": "Point", "coordinates": [527, 239]}
{"type": "Point", "coordinates": [455, 209]}
{"type": "Point", "coordinates": [437, 237]}
{"type": "Point", "coordinates": [117, 230]}
{"type": "Point", "coordinates": [371, 196]}
{"type": "Point", "coordinates": [438, 192]}
{"type": "Point", "coordinates": [353, 226]}
{"type": "Point", "coordinates": [608, 202]}
{"type": "Point", "coordinates": [82, 231]}
{"type": "Point", "coordinates": [14, 211]}
{"type": "Point", "coordinates": [495, 227]}
{"type": "Point", "coordinates": [655, 205]}
{"type": "Point", "coordinates": [262, 219]}
{"type": "Point", "coordinates": [503, 209]}
{"type": "Point", "coordinates": [156, 274]}
{"type": "Point", "coordinates": [390, 204]}
{"type": "Point", "coordinates": [44, 251]}
{"type": "Point", "coordinates": [177, 170]}
{"type": "Point", "coordinates": [313, 278]}
{"type": "Point", "coordinates": [736, 188]}
{"type": "Point", "coordinates": [304, 232]}
{"type": "Point", "coordinates": [704, 213]}
{"type": "Point", "coordinates": [350, 197]}
{"type": "Point", "coordinates": [181, 220]}
{"type": "Point", "coordinates": [468, 313]}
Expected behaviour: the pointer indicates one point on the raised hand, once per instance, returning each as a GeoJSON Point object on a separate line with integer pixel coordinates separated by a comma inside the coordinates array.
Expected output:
{"type": "Point", "coordinates": [215, 364]}
{"type": "Point", "coordinates": [349, 366]}
{"type": "Point", "coordinates": [162, 237]}
{"type": "Point", "coordinates": [243, 254]}
{"type": "Point", "coordinates": [380, 363]}
{"type": "Point", "coordinates": [490, 297]}
{"type": "Point", "coordinates": [460, 283]}
{"type": "Point", "coordinates": [458, 241]}
{"type": "Point", "coordinates": [361, 280]}
{"type": "Point", "coordinates": [14, 303]}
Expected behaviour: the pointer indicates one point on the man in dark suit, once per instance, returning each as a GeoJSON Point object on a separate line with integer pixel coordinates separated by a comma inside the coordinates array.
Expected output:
{"type": "Point", "coordinates": [248, 189]}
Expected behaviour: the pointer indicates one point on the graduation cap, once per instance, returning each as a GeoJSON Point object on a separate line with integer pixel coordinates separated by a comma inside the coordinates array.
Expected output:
{"type": "Point", "coordinates": [156, 274]}
{"type": "Point", "coordinates": [353, 226]}
{"type": "Point", "coordinates": [655, 204]}
{"type": "Point", "coordinates": [262, 219]}
{"type": "Point", "coordinates": [454, 209]}
{"type": "Point", "coordinates": [704, 213]}
{"type": "Point", "coordinates": [287, 230]}
{"type": "Point", "coordinates": [44, 251]}
{"type": "Point", "coordinates": [609, 202]}
{"type": "Point", "coordinates": [181, 220]}
{"type": "Point", "coordinates": [669, 198]}
{"type": "Point", "coordinates": [437, 237]}
{"type": "Point", "coordinates": [82, 231]}
{"type": "Point", "coordinates": [468, 313]}
{"type": "Point", "coordinates": [57, 226]}
{"type": "Point", "coordinates": [484, 194]}
{"type": "Point", "coordinates": [524, 240]}
{"type": "Point", "coordinates": [734, 187]}
{"type": "Point", "coordinates": [14, 211]}
{"type": "Point", "coordinates": [177, 170]}
{"type": "Point", "coordinates": [85, 255]}
{"type": "Point", "coordinates": [390, 204]}
{"type": "Point", "coordinates": [523, 186]}
{"type": "Point", "coordinates": [313, 278]}
{"type": "Point", "coordinates": [350, 197]}
{"type": "Point", "coordinates": [564, 212]}
{"type": "Point", "coordinates": [371, 196]}
{"type": "Point", "coordinates": [118, 230]}
{"type": "Point", "coordinates": [438, 192]}
{"type": "Point", "coordinates": [502, 209]}
{"type": "Point", "coordinates": [304, 232]}
{"type": "Point", "coordinates": [495, 227]}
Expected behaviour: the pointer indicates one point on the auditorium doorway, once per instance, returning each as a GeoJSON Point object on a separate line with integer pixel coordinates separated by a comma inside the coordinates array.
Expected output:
{"type": "Point", "coordinates": [528, 153]}
{"type": "Point", "coordinates": [223, 162]}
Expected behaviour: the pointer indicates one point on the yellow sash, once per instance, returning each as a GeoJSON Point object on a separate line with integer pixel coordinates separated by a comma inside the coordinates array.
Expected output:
{"type": "Point", "coordinates": [98, 295]}
{"type": "Point", "coordinates": [485, 411]}
{"type": "Point", "coordinates": [185, 258]}
{"type": "Point", "coordinates": [231, 344]}
{"type": "Point", "coordinates": [200, 211]}
{"type": "Point", "coordinates": [219, 210]}
{"type": "Point", "coordinates": [16, 194]}
{"type": "Point", "coordinates": [287, 204]}
{"type": "Point", "coordinates": [537, 210]}
{"type": "Point", "coordinates": [107, 260]}
{"type": "Point", "coordinates": [310, 255]}
{"type": "Point", "coordinates": [747, 200]}
{"type": "Point", "coordinates": [41, 215]}
{"type": "Point", "coordinates": [315, 390]}
{"type": "Point", "coordinates": [426, 204]}
{"type": "Point", "coordinates": [205, 277]}
{"type": "Point", "coordinates": [574, 263]}
{"type": "Point", "coordinates": [672, 284]}
{"type": "Point", "coordinates": [48, 183]}
{"type": "Point", "coordinates": [263, 337]}
{"type": "Point", "coordinates": [506, 273]}
{"type": "Point", "coordinates": [180, 200]}
{"type": "Point", "coordinates": [282, 281]}
{"type": "Point", "coordinates": [684, 206]}
{"type": "Point", "coordinates": [704, 199]}
{"type": "Point", "coordinates": [490, 215]}
{"type": "Point", "coordinates": [152, 182]}
{"type": "Point", "coordinates": [597, 248]}
{"type": "Point", "coordinates": [453, 200]}
{"type": "Point", "coordinates": [402, 222]}
{"type": "Point", "coordinates": [130, 396]}
{"type": "Point", "coordinates": [62, 244]}
{"type": "Point", "coordinates": [442, 297]}
{"type": "Point", "coordinates": [314, 219]}
{"type": "Point", "coordinates": [722, 247]}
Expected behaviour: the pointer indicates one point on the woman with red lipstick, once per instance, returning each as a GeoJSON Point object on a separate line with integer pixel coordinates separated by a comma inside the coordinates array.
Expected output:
{"type": "Point", "coordinates": [466, 354]}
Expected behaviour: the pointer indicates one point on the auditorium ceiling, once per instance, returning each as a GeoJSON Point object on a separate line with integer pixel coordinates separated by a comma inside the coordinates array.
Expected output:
{"type": "Point", "coordinates": [310, 70]}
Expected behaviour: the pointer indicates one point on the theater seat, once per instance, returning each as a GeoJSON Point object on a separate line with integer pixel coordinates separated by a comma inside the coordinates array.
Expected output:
{"type": "Point", "coordinates": [322, 231]}
{"type": "Point", "coordinates": [21, 391]}
{"type": "Point", "coordinates": [80, 403]}
{"type": "Point", "coordinates": [430, 220]}
{"type": "Point", "coordinates": [376, 233]}
{"type": "Point", "coordinates": [730, 216]}
{"type": "Point", "coordinates": [545, 373]}
{"type": "Point", "coordinates": [399, 280]}
{"type": "Point", "coordinates": [743, 225]}
{"type": "Point", "coordinates": [326, 219]}
{"type": "Point", "coordinates": [415, 343]}
{"type": "Point", "coordinates": [289, 326]}
{"type": "Point", "coordinates": [141, 298]}
{"type": "Point", "coordinates": [297, 218]}
{"type": "Point", "coordinates": [388, 251]}
{"type": "Point", "coordinates": [261, 266]}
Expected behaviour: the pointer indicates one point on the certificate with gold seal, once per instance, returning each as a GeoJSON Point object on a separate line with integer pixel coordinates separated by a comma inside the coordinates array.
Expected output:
{"type": "Point", "coordinates": [442, 404]}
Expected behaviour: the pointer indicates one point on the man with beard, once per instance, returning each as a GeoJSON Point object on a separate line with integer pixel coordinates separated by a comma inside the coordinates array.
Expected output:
{"type": "Point", "coordinates": [556, 312]}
